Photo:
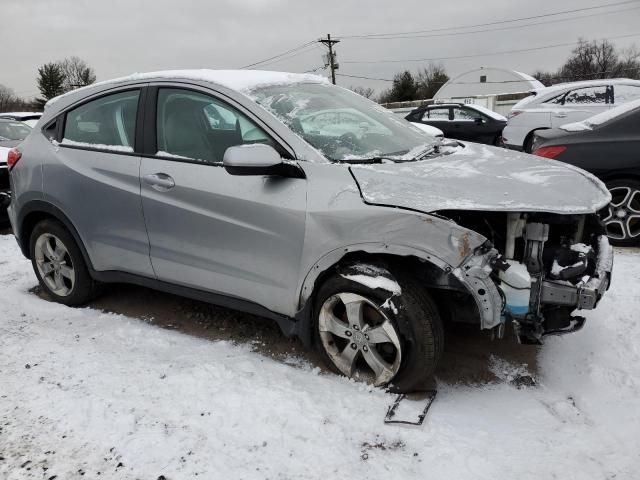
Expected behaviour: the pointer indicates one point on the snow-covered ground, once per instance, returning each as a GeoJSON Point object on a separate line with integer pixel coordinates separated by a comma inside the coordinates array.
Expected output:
{"type": "Point", "coordinates": [86, 394]}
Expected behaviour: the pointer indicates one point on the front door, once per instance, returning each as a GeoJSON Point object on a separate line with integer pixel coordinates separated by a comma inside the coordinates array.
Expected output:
{"type": "Point", "coordinates": [240, 236]}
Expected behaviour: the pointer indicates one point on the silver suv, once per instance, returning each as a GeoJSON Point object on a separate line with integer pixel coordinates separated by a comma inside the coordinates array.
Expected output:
{"type": "Point", "coordinates": [290, 198]}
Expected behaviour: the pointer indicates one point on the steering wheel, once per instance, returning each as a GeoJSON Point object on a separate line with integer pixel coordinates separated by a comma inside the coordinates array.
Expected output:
{"type": "Point", "coordinates": [348, 139]}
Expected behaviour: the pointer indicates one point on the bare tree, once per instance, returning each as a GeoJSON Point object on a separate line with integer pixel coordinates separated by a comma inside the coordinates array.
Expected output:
{"type": "Point", "coordinates": [595, 60]}
{"type": "Point", "coordinates": [591, 60]}
{"type": "Point", "coordinates": [77, 73]}
{"type": "Point", "coordinates": [430, 79]}
{"type": "Point", "coordinates": [366, 92]}
{"type": "Point", "coordinates": [9, 102]}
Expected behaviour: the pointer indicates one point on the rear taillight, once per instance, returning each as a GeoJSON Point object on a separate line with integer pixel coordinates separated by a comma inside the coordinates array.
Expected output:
{"type": "Point", "coordinates": [549, 152]}
{"type": "Point", "coordinates": [513, 113]}
{"type": "Point", "coordinates": [13, 157]}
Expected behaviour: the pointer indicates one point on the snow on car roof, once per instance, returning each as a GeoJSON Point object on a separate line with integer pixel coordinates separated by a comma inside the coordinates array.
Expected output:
{"type": "Point", "coordinates": [601, 118]}
{"type": "Point", "coordinates": [239, 80]}
{"type": "Point", "coordinates": [20, 114]}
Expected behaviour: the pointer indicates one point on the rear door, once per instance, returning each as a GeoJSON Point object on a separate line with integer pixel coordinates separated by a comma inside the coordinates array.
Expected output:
{"type": "Point", "coordinates": [240, 236]}
{"type": "Point", "coordinates": [439, 117]}
{"type": "Point", "coordinates": [580, 103]}
{"type": "Point", "coordinates": [93, 176]}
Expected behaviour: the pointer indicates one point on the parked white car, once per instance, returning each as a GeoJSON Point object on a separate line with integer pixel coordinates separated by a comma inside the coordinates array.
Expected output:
{"type": "Point", "coordinates": [436, 132]}
{"type": "Point", "coordinates": [564, 103]}
{"type": "Point", "coordinates": [30, 118]}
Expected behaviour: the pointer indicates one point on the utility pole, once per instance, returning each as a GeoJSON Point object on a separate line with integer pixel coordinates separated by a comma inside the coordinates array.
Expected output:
{"type": "Point", "coordinates": [332, 56]}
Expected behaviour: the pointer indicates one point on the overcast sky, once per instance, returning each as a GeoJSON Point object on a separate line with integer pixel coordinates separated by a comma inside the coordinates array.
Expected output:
{"type": "Point", "coordinates": [118, 37]}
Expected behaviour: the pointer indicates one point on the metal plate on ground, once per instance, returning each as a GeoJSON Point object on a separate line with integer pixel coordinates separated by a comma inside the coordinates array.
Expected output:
{"type": "Point", "coordinates": [410, 409]}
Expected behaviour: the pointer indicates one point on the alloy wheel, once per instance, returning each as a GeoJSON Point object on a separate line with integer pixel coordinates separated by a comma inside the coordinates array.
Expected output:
{"type": "Point", "coordinates": [622, 217]}
{"type": "Point", "coordinates": [54, 264]}
{"type": "Point", "coordinates": [359, 338]}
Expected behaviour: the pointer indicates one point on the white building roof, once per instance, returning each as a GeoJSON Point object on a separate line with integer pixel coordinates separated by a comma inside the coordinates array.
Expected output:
{"type": "Point", "coordinates": [487, 81]}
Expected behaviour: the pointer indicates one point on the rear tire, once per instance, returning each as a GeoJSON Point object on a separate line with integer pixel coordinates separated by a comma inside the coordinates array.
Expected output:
{"type": "Point", "coordinates": [528, 143]}
{"type": "Point", "coordinates": [59, 264]}
{"type": "Point", "coordinates": [622, 216]}
{"type": "Point", "coordinates": [394, 303]}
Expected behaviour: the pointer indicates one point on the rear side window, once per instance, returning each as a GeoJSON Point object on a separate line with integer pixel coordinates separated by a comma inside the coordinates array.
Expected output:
{"type": "Point", "coordinates": [436, 114]}
{"type": "Point", "coordinates": [580, 96]}
{"type": "Point", "coordinates": [108, 122]}
{"type": "Point", "coordinates": [195, 126]}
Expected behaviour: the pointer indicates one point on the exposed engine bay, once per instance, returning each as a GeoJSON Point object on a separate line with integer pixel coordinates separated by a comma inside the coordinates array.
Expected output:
{"type": "Point", "coordinates": [545, 267]}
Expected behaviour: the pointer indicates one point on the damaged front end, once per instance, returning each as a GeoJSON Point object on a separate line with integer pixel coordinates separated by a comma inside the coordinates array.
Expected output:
{"type": "Point", "coordinates": [536, 270]}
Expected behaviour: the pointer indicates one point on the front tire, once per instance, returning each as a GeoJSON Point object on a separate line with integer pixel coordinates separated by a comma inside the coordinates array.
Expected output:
{"type": "Point", "coordinates": [378, 327]}
{"type": "Point", "coordinates": [59, 264]}
{"type": "Point", "coordinates": [622, 216]}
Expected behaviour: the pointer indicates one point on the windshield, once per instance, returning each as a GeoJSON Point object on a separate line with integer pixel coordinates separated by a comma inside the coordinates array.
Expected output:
{"type": "Point", "coordinates": [12, 130]}
{"type": "Point", "coordinates": [341, 124]}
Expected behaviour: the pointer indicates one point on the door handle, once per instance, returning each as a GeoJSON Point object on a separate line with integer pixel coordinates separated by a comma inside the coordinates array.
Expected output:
{"type": "Point", "coordinates": [159, 181]}
{"type": "Point", "coordinates": [560, 115]}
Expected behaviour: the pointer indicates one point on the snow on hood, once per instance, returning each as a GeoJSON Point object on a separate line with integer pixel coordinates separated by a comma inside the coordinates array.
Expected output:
{"type": "Point", "coordinates": [601, 118]}
{"type": "Point", "coordinates": [240, 80]}
{"type": "Point", "coordinates": [480, 177]}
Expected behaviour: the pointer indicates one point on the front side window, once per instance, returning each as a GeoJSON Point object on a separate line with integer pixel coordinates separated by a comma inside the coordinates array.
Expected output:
{"type": "Point", "coordinates": [441, 114]}
{"type": "Point", "coordinates": [108, 122]}
{"type": "Point", "coordinates": [195, 126]}
{"type": "Point", "coordinates": [465, 114]}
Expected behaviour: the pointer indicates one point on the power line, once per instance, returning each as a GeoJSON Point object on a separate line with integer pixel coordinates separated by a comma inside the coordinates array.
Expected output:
{"type": "Point", "coordinates": [307, 49]}
{"type": "Point", "coordinates": [491, 23]}
{"type": "Point", "coordinates": [503, 52]}
{"type": "Point", "coordinates": [560, 77]}
{"type": "Point", "coordinates": [511, 27]}
{"type": "Point", "coordinates": [279, 55]}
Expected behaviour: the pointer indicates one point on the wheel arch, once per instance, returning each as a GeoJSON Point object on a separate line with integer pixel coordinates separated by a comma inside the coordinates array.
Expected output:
{"type": "Point", "coordinates": [418, 263]}
{"type": "Point", "coordinates": [33, 213]}
{"type": "Point", "coordinates": [529, 136]}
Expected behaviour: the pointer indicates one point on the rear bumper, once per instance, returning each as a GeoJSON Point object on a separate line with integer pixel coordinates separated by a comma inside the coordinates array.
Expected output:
{"type": "Point", "coordinates": [587, 294]}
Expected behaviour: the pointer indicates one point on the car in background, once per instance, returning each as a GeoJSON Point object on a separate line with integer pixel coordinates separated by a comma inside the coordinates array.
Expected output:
{"type": "Point", "coordinates": [557, 105]}
{"type": "Point", "coordinates": [608, 146]}
{"type": "Point", "coordinates": [473, 123]}
{"type": "Point", "coordinates": [12, 132]}
{"type": "Point", "coordinates": [30, 118]}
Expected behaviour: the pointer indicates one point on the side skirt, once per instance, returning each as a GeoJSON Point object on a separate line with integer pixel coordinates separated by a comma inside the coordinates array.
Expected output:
{"type": "Point", "coordinates": [289, 326]}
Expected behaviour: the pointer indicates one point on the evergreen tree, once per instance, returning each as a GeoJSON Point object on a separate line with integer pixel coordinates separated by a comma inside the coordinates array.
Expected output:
{"type": "Point", "coordinates": [50, 80]}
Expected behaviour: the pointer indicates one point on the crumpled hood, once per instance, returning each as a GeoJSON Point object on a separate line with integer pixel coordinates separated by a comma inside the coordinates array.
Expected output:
{"type": "Point", "coordinates": [480, 177]}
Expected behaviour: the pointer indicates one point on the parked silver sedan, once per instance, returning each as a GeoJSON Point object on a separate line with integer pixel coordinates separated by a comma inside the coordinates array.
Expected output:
{"type": "Point", "coordinates": [213, 185]}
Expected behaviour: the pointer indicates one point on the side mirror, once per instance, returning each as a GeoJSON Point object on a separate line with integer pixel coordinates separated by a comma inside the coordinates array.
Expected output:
{"type": "Point", "coordinates": [478, 121]}
{"type": "Point", "coordinates": [258, 159]}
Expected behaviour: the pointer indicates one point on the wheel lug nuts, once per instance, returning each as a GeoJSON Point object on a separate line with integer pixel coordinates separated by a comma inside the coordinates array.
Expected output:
{"type": "Point", "coordinates": [354, 346]}
{"type": "Point", "coordinates": [365, 348]}
{"type": "Point", "coordinates": [348, 333]}
{"type": "Point", "coordinates": [366, 336]}
{"type": "Point", "coordinates": [356, 327]}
